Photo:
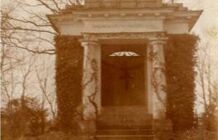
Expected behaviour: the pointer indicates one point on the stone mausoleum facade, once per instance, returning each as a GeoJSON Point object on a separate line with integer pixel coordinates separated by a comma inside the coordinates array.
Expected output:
{"type": "Point", "coordinates": [122, 80]}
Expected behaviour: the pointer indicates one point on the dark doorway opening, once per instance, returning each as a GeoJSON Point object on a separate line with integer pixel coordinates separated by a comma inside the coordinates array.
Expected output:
{"type": "Point", "coordinates": [123, 75]}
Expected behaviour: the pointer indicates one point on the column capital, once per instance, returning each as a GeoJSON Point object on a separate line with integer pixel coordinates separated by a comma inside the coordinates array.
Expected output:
{"type": "Point", "coordinates": [159, 39]}
{"type": "Point", "coordinates": [89, 40]}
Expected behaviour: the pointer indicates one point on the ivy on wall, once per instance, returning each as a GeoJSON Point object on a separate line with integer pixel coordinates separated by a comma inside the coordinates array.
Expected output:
{"type": "Point", "coordinates": [180, 61]}
{"type": "Point", "coordinates": [69, 55]}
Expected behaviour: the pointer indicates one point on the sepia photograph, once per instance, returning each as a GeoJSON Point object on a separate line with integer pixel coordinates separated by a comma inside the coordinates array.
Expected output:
{"type": "Point", "coordinates": [109, 69]}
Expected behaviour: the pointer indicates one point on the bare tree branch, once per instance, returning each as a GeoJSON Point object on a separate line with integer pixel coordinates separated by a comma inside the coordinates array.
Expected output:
{"type": "Point", "coordinates": [47, 6]}
{"type": "Point", "coordinates": [56, 5]}
{"type": "Point", "coordinates": [29, 29]}
{"type": "Point", "coordinates": [25, 76]}
{"type": "Point", "coordinates": [43, 87]}
{"type": "Point", "coordinates": [206, 82]}
{"type": "Point", "coordinates": [29, 21]}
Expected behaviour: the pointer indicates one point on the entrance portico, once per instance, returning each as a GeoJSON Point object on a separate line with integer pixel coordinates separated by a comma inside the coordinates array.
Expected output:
{"type": "Point", "coordinates": [101, 88]}
{"type": "Point", "coordinates": [123, 80]}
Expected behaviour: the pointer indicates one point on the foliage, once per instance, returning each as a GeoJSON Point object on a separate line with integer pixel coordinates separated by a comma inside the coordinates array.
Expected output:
{"type": "Point", "coordinates": [180, 61]}
{"type": "Point", "coordinates": [23, 117]}
{"type": "Point", "coordinates": [195, 134]}
{"type": "Point", "coordinates": [210, 121]}
{"type": "Point", "coordinates": [68, 80]}
{"type": "Point", "coordinates": [54, 136]}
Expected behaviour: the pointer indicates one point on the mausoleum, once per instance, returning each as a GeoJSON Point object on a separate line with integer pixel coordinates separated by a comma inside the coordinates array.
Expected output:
{"type": "Point", "coordinates": [111, 63]}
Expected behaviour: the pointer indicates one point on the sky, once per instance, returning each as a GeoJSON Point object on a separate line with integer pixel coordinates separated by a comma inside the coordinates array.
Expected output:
{"type": "Point", "coordinates": [207, 25]}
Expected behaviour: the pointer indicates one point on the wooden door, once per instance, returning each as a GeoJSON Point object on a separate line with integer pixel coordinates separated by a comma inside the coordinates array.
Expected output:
{"type": "Point", "coordinates": [123, 81]}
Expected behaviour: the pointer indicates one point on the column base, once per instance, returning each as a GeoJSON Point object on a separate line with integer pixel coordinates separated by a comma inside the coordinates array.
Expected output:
{"type": "Point", "coordinates": [88, 127]}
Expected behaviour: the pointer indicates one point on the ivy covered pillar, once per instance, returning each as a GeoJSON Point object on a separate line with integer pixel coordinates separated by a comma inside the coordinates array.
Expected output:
{"type": "Point", "coordinates": [69, 61]}
{"type": "Point", "coordinates": [91, 83]}
{"type": "Point", "coordinates": [157, 77]}
{"type": "Point", "coordinates": [180, 75]}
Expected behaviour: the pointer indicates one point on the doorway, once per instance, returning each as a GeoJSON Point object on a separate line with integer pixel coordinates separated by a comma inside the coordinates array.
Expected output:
{"type": "Point", "coordinates": [123, 75]}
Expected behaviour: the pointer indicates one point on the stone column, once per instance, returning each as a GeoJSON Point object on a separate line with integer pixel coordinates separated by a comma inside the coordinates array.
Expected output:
{"type": "Point", "coordinates": [157, 78]}
{"type": "Point", "coordinates": [91, 84]}
{"type": "Point", "coordinates": [149, 85]}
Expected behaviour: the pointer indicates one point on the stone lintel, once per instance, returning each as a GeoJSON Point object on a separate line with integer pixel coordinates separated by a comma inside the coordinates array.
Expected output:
{"type": "Point", "coordinates": [150, 37]}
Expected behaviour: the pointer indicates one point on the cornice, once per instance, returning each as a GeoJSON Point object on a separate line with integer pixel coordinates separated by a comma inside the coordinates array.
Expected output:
{"type": "Point", "coordinates": [168, 14]}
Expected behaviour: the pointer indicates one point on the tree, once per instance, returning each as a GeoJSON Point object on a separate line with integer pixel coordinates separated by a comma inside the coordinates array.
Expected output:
{"type": "Point", "coordinates": [9, 60]}
{"type": "Point", "coordinates": [43, 84]}
{"type": "Point", "coordinates": [207, 83]}
{"type": "Point", "coordinates": [24, 36]}
{"type": "Point", "coordinates": [22, 117]}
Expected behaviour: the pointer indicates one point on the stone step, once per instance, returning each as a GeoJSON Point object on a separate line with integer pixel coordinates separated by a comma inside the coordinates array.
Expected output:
{"type": "Point", "coordinates": [124, 121]}
{"type": "Point", "coordinates": [125, 132]}
{"type": "Point", "coordinates": [125, 137]}
{"type": "Point", "coordinates": [118, 125]}
{"type": "Point", "coordinates": [130, 117]}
